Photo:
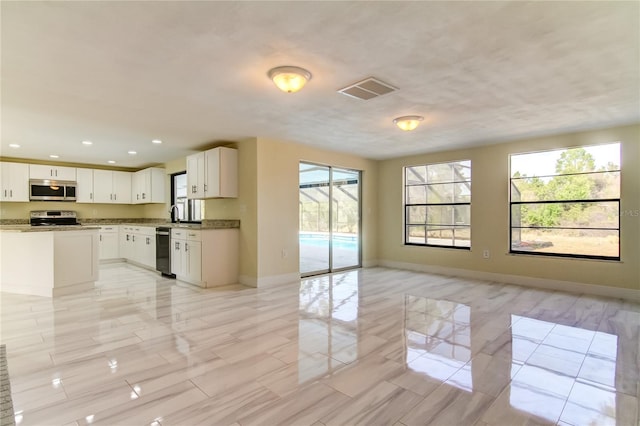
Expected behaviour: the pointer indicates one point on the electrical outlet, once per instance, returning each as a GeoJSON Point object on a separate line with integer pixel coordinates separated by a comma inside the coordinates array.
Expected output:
{"type": "Point", "coordinates": [486, 254]}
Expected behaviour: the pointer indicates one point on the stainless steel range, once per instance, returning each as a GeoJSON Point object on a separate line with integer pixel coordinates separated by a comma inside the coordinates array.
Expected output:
{"type": "Point", "coordinates": [53, 218]}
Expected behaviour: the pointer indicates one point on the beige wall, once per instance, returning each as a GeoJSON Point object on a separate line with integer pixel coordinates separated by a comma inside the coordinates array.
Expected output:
{"type": "Point", "coordinates": [85, 211]}
{"type": "Point", "coordinates": [247, 209]}
{"type": "Point", "coordinates": [490, 214]}
{"type": "Point", "coordinates": [278, 196]}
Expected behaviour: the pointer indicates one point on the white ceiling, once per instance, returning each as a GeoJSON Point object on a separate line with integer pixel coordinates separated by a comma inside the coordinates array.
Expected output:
{"type": "Point", "coordinates": [193, 73]}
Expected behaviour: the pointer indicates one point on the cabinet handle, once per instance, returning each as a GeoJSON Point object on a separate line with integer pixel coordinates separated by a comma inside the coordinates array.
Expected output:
{"type": "Point", "coordinates": [115, 196]}
{"type": "Point", "coordinates": [137, 196]}
{"type": "Point", "coordinates": [100, 237]}
{"type": "Point", "coordinates": [177, 245]}
{"type": "Point", "coordinates": [186, 247]}
{"type": "Point", "coordinates": [5, 192]}
{"type": "Point", "coordinates": [148, 241]}
{"type": "Point", "coordinates": [133, 238]}
{"type": "Point", "coordinates": [127, 237]}
{"type": "Point", "coordinates": [111, 197]}
{"type": "Point", "coordinates": [205, 187]}
{"type": "Point", "coordinates": [11, 193]}
{"type": "Point", "coordinates": [91, 195]}
{"type": "Point", "coordinates": [144, 196]}
{"type": "Point", "coordinates": [50, 172]}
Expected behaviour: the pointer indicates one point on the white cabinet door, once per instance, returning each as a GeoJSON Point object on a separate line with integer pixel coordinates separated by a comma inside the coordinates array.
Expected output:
{"type": "Point", "coordinates": [221, 173]}
{"type": "Point", "coordinates": [44, 171]}
{"type": "Point", "coordinates": [158, 182]}
{"type": "Point", "coordinates": [137, 184]}
{"type": "Point", "coordinates": [14, 182]}
{"type": "Point", "coordinates": [148, 186]}
{"type": "Point", "coordinates": [102, 186]}
{"type": "Point", "coordinates": [148, 252]}
{"type": "Point", "coordinates": [122, 187]}
{"type": "Point", "coordinates": [109, 243]}
{"type": "Point", "coordinates": [126, 242]}
{"type": "Point", "coordinates": [111, 187]}
{"type": "Point", "coordinates": [196, 176]}
{"type": "Point", "coordinates": [84, 190]}
{"type": "Point", "coordinates": [193, 251]}
{"type": "Point", "coordinates": [177, 255]}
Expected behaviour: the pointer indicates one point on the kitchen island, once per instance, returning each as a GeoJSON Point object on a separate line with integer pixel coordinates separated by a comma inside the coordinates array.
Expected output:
{"type": "Point", "coordinates": [48, 260]}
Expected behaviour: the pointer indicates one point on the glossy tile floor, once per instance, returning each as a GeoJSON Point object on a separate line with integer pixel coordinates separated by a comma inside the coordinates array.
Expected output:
{"type": "Point", "coordinates": [372, 346]}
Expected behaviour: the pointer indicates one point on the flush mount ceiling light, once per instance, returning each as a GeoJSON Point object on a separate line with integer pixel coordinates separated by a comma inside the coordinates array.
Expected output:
{"type": "Point", "coordinates": [408, 122]}
{"type": "Point", "coordinates": [289, 79]}
{"type": "Point", "coordinates": [156, 141]}
{"type": "Point", "coordinates": [14, 145]}
{"type": "Point", "coordinates": [87, 143]}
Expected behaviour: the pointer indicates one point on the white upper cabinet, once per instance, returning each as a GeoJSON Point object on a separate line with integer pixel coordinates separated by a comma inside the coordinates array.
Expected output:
{"type": "Point", "coordinates": [84, 190]}
{"type": "Point", "coordinates": [195, 176]}
{"type": "Point", "coordinates": [213, 174]}
{"type": "Point", "coordinates": [148, 186]}
{"type": "Point", "coordinates": [221, 173]}
{"type": "Point", "coordinates": [14, 182]}
{"type": "Point", "coordinates": [111, 187]}
{"type": "Point", "coordinates": [43, 171]}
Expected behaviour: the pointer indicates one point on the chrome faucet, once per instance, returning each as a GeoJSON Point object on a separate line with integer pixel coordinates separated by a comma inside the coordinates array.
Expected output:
{"type": "Point", "coordinates": [177, 216]}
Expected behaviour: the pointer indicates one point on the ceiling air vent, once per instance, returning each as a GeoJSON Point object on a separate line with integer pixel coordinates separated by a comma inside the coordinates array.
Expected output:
{"type": "Point", "coordinates": [367, 89]}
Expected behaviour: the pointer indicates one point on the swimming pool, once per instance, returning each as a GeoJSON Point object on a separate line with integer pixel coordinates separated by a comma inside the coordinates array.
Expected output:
{"type": "Point", "coordinates": [339, 241]}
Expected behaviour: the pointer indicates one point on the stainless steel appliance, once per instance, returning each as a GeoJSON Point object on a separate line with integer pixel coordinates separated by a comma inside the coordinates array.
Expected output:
{"type": "Point", "coordinates": [163, 251]}
{"type": "Point", "coordinates": [52, 190]}
{"type": "Point", "coordinates": [53, 218]}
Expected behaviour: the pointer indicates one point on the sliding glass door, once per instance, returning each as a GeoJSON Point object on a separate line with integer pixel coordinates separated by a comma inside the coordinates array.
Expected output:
{"type": "Point", "coordinates": [329, 219]}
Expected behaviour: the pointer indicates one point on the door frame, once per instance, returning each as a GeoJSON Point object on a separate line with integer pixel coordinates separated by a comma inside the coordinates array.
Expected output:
{"type": "Point", "coordinates": [331, 269]}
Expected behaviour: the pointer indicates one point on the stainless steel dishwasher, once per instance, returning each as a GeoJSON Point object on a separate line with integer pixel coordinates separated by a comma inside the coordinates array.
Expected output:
{"type": "Point", "coordinates": [163, 251]}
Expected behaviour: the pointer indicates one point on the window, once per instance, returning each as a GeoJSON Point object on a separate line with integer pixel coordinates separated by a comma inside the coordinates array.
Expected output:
{"type": "Point", "coordinates": [437, 209]}
{"type": "Point", "coordinates": [566, 202]}
{"type": "Point", "coordinates": [187, 210]}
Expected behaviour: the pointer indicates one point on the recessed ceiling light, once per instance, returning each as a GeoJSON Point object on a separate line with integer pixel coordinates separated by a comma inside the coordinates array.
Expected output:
{"type": "Point", "coordinates": [14, 145]}
{"type": "Point", "coordinates": [54, 156]}
{"type": "Point", "coordinates": [156, 141]}
{"type": "Point", "coordinates": [111, 162]}
{"type": "Point", "coordinates": [87, 143]}
{"type": "Point", "coordinates": [131, 152]}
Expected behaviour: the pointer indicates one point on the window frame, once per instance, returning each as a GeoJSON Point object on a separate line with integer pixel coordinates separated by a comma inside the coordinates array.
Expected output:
{"type": "Point", "coordinates": [406, 207]}
{"type": "Point", "coordinates": [513, 203]}
{"type": "Point", "coordinates": [173, 198]}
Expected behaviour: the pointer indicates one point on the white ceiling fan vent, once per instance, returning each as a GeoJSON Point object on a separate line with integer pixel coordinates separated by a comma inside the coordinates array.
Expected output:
{"type": "Point", "coordinates": [368, 88]}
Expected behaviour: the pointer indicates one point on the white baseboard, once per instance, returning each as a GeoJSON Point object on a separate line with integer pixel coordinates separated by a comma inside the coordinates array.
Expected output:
{"type": "Point", "coordinates": [569, 286]}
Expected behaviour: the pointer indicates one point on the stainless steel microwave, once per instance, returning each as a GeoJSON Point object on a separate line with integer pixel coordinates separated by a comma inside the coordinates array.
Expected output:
{"type": "Point", "coordinates": [52, 190]}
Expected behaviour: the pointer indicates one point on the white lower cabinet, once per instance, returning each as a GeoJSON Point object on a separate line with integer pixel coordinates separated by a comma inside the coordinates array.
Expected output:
{"type": "Point", "coordinates": [109, 243]}
{"type": "Point", "coordinates": [138, 245]}
{"type": "Point", "coordinates": [206, 258]}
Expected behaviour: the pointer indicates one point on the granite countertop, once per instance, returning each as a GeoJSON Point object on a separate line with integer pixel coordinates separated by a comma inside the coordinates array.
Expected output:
{"type": "Point", "coordinates": [205, 225]}
{"type": "Point", "coordinates": [29, 228]}
{"type": "Point", "coordinates": [21, 225]}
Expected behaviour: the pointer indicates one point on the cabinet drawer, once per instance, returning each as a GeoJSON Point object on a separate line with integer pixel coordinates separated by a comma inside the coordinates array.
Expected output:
{"type": "Point", "coordinates": [146, 230]}
{"type": "Point", "coordinates": [194, 236]}
{"type": "Point", "coordinates": [180, 234]}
